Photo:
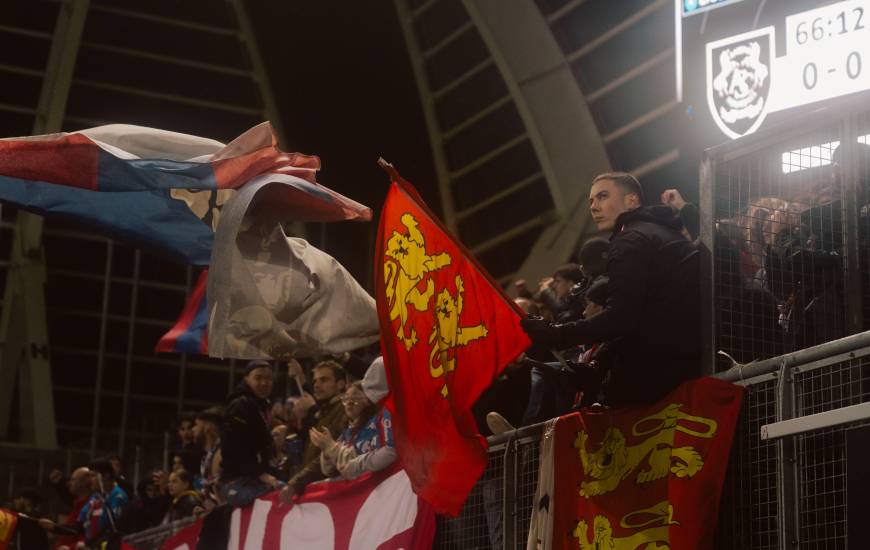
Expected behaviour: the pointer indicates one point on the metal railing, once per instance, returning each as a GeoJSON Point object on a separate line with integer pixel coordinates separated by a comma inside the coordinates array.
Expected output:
{"type": "Point", "coordinates": [781, 493]}
{"type": "Point", "coordinates": [152, 539]}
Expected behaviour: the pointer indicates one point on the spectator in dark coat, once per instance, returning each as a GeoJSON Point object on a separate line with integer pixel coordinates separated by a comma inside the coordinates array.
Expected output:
{"type": "Point", "coordinates": [246, 439]}
{"type": "Point", "coordinates": [652, 316]}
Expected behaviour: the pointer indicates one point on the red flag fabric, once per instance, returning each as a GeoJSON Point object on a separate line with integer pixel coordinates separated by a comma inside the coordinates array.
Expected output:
{"type": "Point", "coordinates": [8, 520]}
{"type": "Point", "coordinates": [447, 330]}
{"type": "Point", "coordinates": [647, 475]}
{"type": "Point", "coordinates": [374, 511]}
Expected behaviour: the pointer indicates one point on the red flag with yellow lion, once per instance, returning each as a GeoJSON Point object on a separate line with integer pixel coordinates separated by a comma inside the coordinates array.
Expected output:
{"type": "Point", "coordinates": [646, 476]}
{"type": "Point", "coordinates": [447, 330]}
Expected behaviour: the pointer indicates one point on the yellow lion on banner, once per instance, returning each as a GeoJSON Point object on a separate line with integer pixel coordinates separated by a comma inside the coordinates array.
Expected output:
{"type": "Point", "coordinates": [447, 335]}
{"type": "Point", "coordinates": [615, 461]}
{"type": "Point", "coordinates": [410, 264]}
{"type": "Point", "coordinates": [652, 538]}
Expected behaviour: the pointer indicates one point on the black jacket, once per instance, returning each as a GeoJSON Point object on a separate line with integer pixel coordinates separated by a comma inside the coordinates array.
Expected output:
{"type": "Point", "coordinates": [652, 319]}
{"type": "Point", "coordinates": [246, 437]}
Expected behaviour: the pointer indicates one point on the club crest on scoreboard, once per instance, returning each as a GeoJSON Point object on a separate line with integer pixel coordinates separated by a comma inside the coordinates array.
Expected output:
{"type": "Point", "coordinates": [739, 76]}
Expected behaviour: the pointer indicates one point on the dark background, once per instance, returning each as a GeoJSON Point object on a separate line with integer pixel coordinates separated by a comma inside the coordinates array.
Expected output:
{"type": "Point", "coordinates": [343, 83]}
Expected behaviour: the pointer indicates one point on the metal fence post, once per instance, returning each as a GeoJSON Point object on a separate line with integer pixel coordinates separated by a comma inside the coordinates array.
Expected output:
{"type": "Point", "coordinates": [707, 273]}
{"type": "Point", "coordinates": [510, 493]}
{"type": "Point", "coordinates": [787, 501]}
{"type": "Point", "coordinates": [11, 488]}
{"type": "Point", "coordinates": [851, 234]}
{"type": "Point", "coordinates": [128, 363]}
{"type": "Point", "coordinates": [137, 466]}
{"type": "Point", "coordinates": [101, 350]}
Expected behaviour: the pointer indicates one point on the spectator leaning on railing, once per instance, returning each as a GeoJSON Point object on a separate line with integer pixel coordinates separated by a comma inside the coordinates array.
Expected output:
{"type": "Point", "coordinates": [99, 518]}
{"type": "Point", "coordinates": [246, 439]}
{"type": "Point", "coordinates": [323, 411]}
{"type": "Point", "coordinates": [78, 487]}
{"type": "Point", "coordinates": [651, 321]}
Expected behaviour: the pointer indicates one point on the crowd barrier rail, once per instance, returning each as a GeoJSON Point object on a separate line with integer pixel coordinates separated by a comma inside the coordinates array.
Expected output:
{"type": "Point", "coordinates": [803, 434]}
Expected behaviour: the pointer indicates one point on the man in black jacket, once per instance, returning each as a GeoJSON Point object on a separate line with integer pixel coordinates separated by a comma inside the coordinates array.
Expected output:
{"type": "Point", "coordinates": [246, 438]}
{"type": "Point", "coordinates": [651, 321]}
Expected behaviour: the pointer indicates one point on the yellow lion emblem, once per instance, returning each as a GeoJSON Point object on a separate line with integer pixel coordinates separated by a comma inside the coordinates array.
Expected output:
{"type": "Point", "coordinates": [653, 538]}
{"type": "Point", "coordinates": [615, 461]}
{"type": "Point", "coordinates": [410, 263]}
{"type": "Point", "coordinates": [447, 334]}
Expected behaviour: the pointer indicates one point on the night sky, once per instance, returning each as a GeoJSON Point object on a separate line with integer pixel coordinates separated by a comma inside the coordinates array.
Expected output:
{"type": "Point", "coordinates": [346, 92]}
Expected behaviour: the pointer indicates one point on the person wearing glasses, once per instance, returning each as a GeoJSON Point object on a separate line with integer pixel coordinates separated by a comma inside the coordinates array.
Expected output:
{"type": "Point", "coordinates": [367, 443]}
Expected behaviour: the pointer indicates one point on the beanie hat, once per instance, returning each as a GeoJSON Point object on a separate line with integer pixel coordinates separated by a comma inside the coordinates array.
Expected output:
{"type": "Point", "coordinates": [374, 383]}
{"type": "Point", "coordinates": [257, 364]}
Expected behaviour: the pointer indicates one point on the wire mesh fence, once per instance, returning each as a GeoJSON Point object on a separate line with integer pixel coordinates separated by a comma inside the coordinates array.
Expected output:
{"type": "Point", "coordinates": [817, 477]}
{"type": "Point", "coordinates": [789, 224]}
{"type": "Point", "coordinates": [779, 249]}
{"type": "Point", "coordinates": [749, 507]}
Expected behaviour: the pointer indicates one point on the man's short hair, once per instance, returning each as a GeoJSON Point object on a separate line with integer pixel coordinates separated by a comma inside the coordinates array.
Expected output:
{"type": "Point", "coordinates": [624, 180]}
{"type": "Point", "coordinates": [186, 416]}
{"type": "Point", "coordinates": [102, 466]}
{"type": "Point", "coordinates": [212, 414]}
{"type": "Point", "coordinates": [337, 370]}
{"type": "Point", "coordinates": [569, 272]}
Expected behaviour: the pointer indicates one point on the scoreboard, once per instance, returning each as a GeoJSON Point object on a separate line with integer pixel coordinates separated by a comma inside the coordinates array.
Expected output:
{"type": "Point", "coordinates": [745, 64]}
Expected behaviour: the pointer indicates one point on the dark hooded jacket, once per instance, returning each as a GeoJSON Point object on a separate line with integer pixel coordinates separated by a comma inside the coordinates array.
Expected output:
{"type": "Point", "coordinates": [652, 318]}
{"type": "Point", "coordinates": [246, 436]}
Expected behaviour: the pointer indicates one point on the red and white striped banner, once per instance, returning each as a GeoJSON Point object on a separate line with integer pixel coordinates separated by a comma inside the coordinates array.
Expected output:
{"type": "Point", "coordinates": [378, 511]}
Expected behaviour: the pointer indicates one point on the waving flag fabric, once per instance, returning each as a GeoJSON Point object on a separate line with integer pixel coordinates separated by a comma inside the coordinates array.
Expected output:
{"type": "Point", "coordinates": [151, 188]}
{"type": "Point", "coordinates": [639, 477]}
{"type": "Point", "coordinates": [275, 297]}
{"type": "Point", "coordinates": [164, 191]}
{"type": "Point", "coordinates": [447, 330]}
{"type": "Point", "coordinates": [266, 201]}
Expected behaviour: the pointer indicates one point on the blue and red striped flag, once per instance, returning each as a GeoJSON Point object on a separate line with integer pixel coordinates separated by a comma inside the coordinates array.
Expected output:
{"type": "Point", "coordinates": [152, 188]}
{"type": "Point", "coordinates": [162, 191]}
{"type": "Point", "coordinates": [190, 332]}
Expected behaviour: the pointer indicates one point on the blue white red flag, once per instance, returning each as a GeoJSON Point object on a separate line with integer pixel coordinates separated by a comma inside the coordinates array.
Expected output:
{"type": "Point", "coordinates": [162, 191]}
{"type": "Point", "coordinates": [152, 188]}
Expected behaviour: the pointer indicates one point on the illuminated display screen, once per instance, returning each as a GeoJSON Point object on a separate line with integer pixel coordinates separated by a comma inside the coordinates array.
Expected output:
{"type": "Point", "coordinates": [691, 7]}
{"type": "Point", "coordinates": [745, 64]}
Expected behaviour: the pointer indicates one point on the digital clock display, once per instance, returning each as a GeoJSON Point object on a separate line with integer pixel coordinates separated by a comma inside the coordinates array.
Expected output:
{"type": "Point", "coordinates": [751, 60]}
{"type": "Point", "coordinates": [828, 49]}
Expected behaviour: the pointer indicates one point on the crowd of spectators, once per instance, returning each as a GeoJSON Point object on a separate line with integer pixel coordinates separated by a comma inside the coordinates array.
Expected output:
{"type": "Point", "coordinates": [614, 328]}
{"type": "Point", "coordinates": [323, 423]}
